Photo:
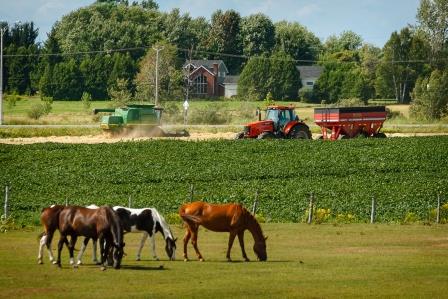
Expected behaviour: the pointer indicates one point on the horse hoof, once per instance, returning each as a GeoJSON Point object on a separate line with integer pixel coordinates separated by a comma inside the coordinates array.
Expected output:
{"type": "Point", "coordinates": [75, 266]}
{"type": "Point", "coordinates": [201, 259]}
{"type": "Point", "coordinates": [103, 268]}
{"type": "Point", "coordinates": [79, 263]}
{"type": "Point", "coordinates": [185, 260]}
{"type": "Point", "coordinates": [247, 260]}
{"type": "Point", "coordinates": [138, 259]}
{"type": "Point", "coordinates": [156, 258]}
{"type": "Point", "coordinates": [229, 260]}
{"type": "Point", "coordinates": [39, 262]}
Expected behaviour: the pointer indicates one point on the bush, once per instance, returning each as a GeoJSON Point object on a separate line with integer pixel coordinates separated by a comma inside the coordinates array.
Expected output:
{"type": "Point", "coordinates": [86, 99]}
{"type": "Point", "coordinates": [11, 100]}
{"type": "Point", "coordinates": [211, 114]}
{"type": "Point", "coordinates": [352, 102]}
{"type": "Point", "coordinates": [37, 111]}
{"type": "Point", "coordinates": [307, 95]}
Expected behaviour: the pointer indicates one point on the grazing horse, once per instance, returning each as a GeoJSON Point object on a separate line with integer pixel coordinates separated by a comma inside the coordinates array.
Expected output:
{"type": "Point", "coordinates": [102, 223]}
{"type": "Point", "coordinates": [49, 218]}
{"type": "Point", "coordinates": [147, 220]}
{"type": "Point", "coordinates": [232, 218]}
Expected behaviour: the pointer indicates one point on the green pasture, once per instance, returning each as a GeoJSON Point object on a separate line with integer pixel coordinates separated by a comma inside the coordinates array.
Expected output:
{"type": "Point", "coordinates": [404, 174]}
{"type": "Point", "coordinates": [304, 261]}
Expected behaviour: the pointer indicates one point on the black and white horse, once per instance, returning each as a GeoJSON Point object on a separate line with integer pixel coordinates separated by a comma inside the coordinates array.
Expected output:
{"type": "Point", "coordinates": [147, 221]}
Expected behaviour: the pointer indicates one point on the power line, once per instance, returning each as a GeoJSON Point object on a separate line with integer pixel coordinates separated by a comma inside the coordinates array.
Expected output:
{"type": "Point", "coordinates": [108, 51]}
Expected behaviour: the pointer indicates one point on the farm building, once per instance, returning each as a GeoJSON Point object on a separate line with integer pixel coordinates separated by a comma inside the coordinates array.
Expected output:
{"type": "Point", "coordinates": [207, 77]}
{"type": "Point", "coordinates": [309, 75]}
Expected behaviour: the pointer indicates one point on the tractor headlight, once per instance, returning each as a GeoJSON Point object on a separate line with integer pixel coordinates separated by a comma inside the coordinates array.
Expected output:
{"type": "Point", "coordinates": [246, 130]}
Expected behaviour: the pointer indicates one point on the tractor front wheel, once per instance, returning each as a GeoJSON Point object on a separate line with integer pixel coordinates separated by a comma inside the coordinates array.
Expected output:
{"type": "Point", "coordinates": [300, 132]}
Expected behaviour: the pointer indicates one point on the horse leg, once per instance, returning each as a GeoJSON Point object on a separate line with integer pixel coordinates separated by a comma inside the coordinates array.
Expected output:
{"type": "Point", "coordinates": [194, 241]}
{"type": "Point", "coordinates": [186, 240]}
{"type": "Point", "coordinates": [62, 240]}
{"type": "Point", "coordinates": [71, 248]}
{"type": "Point", "coordinates": [42, 242]}
{"type": "Point", "coordinates": [82, 250]}
{"type": "Point", "coordinates": [94, 258]}
{"type": "Point", "coordinates": [231, 239]}
{"type": "Point", "coordinates": [142, 243]}
{"type": "Point", "coordinates": [49, 239]}
{"type": "Point", "coordinates": [153, 246]}
{"type": "Point", "coordinates": [241, 240]}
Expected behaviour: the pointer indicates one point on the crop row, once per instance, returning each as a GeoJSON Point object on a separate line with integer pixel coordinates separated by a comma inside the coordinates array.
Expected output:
{"type": "Point", "coordinates": [404, 175]}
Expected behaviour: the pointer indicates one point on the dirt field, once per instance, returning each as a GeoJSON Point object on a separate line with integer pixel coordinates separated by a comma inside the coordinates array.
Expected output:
{"type": "Point", "coordinates": [105, 138]}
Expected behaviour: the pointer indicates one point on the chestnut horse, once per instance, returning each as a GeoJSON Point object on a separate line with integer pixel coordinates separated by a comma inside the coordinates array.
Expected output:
{"type": "Point", "coordinates": [102, 223]}
{"type": "Point", "coordinates": [232, 218]}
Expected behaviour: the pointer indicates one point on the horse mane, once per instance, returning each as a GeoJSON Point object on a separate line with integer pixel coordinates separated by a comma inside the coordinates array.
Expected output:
{"type": "Point", "coordinates": [115, 225]}
{"type": "Point", "coordinates": [252, 221]}
{"type": "Point", "coordinates": [166, 231]}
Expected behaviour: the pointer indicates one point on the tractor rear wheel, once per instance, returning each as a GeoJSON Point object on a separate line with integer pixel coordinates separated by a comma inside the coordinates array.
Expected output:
{"type": "Point", "coordinates": [300, 132]}
{"type": "Point", "coordinates": [266, 135]}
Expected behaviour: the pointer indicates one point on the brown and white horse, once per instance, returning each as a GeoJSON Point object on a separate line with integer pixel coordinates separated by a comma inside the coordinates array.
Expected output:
{"type": "Point", "coordinates": [49, 219]}
{"type": "Point", "coordinates": [232, 218]}
{"type": "Point", "coordinates": [102, 223]}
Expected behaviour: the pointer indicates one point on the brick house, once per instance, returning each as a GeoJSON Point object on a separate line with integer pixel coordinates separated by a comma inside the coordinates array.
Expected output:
{"type": "Point", "coordinates": [206, 77]}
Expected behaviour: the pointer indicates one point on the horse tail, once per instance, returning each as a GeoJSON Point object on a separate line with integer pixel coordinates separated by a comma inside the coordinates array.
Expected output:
{"type": "Point", "coordinates": [192, 218]}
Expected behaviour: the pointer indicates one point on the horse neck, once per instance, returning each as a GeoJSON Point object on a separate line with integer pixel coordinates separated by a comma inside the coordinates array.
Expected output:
{"type": "Point", "coordinates": [164, 228]}
{"type": "Point", "coordinates": [254, 227]}
{"type": "Point", "coordinates": [115, 227]}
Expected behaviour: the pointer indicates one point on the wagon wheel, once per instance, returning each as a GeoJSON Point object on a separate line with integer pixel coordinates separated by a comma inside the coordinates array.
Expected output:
{"type": "Point", "coordinates": [239, 135]}
{"type": "Point", "coordinates": [300, 132]}
{"type": "Point", "coordinates": [266, 135]}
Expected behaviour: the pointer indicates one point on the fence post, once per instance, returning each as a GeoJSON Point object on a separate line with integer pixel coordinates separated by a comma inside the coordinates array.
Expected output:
{"type": "Point", "coordinates": [6, 201]}
{"type": "Point", "coordinates": [438, 209]}
{"type": "Point", "coordinates": [129, 201]}
{"type": "Point", "coordinates": [310, 214]}
{"type": "Point", "coordinates": [373, 211]}
{"type": "Point", "coordinates": [66, 202]}
{"type": "Point", "coordinates": [191, 192]}
{"type": "Point", "coordinates": [254, 207]}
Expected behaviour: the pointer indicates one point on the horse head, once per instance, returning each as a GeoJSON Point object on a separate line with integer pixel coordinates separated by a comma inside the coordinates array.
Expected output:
{"type": "Point", "coordinates": [260, 249]}
{"type": "Point", "coordinates": [170, 248]}
{"type": "Point", "coordinates": [118, 252]}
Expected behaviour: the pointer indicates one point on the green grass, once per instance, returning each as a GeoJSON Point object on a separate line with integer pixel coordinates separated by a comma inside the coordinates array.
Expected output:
{"type": "Point", "coordinates": [317, 261]}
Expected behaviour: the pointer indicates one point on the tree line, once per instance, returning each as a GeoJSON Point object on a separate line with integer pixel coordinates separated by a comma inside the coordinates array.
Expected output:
{"type": "Point", "coordinates": [106, 49]}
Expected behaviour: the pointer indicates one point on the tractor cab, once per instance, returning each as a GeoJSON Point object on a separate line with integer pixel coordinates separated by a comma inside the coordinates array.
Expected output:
{"type": "Point", "coordinates": [279, 122]}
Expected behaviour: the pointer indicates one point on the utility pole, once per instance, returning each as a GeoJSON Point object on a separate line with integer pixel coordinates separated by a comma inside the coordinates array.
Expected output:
{"type": "Point", "coordinates": [157, 49]}
{"type": "Point", "coordinates": [2, 31]}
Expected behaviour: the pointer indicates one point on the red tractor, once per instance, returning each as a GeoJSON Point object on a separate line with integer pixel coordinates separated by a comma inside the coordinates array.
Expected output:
{"type": "Point", "coordinates": [280, 122]}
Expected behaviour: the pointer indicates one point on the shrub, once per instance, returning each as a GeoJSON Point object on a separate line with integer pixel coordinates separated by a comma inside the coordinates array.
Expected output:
{"type": "Point", "coordinates": [11, 100]}
{"type": "Point", "coordinates": [410, 218]}
{"type": "Point", "coordinates": [37, 111]}
{"type": "Point", "coordinates": [86, 99]}
{"type": "Point", "coordinates": [352, 102]}
{"type": "Point", "coordinates": [307, 95]}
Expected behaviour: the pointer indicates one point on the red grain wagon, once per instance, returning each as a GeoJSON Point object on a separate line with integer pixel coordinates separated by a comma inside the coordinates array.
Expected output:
{"type": "Point", "coordinates": [349, 122]}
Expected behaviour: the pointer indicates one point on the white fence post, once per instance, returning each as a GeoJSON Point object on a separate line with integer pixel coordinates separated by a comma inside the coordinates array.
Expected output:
{"type": "Point", "coordinates": [310, 214]}
{"type": "Point", "coordinates": [254, 207]}
{"type": "Point", "coordinates": [438, 209]}
{"type": "Point", "coordinates": [129, 201]}
{"type": "Point", "coordinates": [373, 211]}
{"type": "Point", "coordinates": [6, 201]}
